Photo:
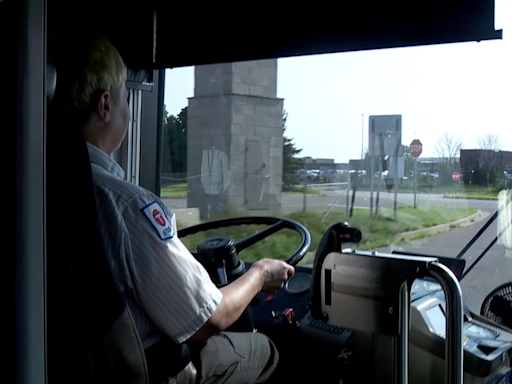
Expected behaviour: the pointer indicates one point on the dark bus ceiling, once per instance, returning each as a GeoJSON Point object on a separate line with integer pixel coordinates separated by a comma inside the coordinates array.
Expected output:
{"type": "Point", "coordinates": [187, 33]}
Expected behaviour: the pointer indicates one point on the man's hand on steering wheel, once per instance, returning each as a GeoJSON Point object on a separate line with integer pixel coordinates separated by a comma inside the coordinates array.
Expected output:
{"type": "Point", "coordinates": [275, 274]}
{"type": "Point", "coordinates": [219, 256]}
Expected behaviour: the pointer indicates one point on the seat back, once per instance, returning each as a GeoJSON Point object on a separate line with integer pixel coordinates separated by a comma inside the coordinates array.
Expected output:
{"type": "Point", "coordinates": [91, 334]}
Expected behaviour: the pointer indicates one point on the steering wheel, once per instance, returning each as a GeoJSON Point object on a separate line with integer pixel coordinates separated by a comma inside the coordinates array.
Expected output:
{"type": "Point", "coordinates": [219, 255]}
{"type": "Point", "coordinates": [275, 223]}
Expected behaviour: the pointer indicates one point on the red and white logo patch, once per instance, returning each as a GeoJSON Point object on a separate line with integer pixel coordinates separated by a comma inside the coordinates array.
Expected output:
{"type": "Point", "coordinates": [159, 217]}
{"type": "Point", "coordinates": [156, 216]}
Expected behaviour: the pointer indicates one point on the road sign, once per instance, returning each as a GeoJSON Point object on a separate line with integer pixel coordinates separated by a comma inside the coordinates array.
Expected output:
{"type": "Point", "coordinates": [416, 148]}
{"type": "Point", "coordinates": [456, 176]}
{"type": "Point", "coordinates": [385, 135]}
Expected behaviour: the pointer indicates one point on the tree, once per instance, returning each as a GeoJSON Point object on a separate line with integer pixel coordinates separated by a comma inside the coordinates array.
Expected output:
{"type": "Point", "coordinates": [166, 154]}
{"type": "Point", "coordinates": [174, 156]}
{"type": "Point", "coordinates": [491, 144]}
{"type": "Point", "coordinates": [291, 163]}
{"type": "Point", "coordinates": [447, 148]}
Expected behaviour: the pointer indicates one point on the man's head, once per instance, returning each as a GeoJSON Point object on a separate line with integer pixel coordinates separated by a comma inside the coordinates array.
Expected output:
{"type": "Point", "coordinates": [93, 92]}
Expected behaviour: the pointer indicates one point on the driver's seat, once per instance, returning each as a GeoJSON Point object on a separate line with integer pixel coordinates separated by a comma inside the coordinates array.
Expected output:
{"type": "Point", "coordinates": [91, 334]}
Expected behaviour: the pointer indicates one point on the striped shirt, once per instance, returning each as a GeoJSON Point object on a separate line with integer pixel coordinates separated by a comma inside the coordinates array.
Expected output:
{"type": "Point", "coordinates": [167, 290]}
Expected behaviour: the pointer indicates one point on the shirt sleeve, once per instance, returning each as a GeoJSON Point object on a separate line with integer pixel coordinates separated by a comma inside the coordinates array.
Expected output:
{"type": "Point", "coordinates": [171, 285]}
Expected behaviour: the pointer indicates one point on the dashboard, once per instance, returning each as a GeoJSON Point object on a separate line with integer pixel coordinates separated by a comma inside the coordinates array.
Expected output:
{"type": "Point", "coordinates": [286, 317]}
{"type": "Point", "coordinates": [428, 316]}
{"type": "Point", "coordinates": [290, 308]}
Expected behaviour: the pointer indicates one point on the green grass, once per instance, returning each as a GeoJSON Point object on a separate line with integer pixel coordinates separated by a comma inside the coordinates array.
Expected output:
{"type": "Point", "coordinates": [471, 191]}
{"type": "Point", "coordinates": [173, 191]}
{"type": "Point", "coordinates": [376, 233]}
{"type": "Point", "coordinates": [299, 190]}
{"type": "Point", "coordinates": [475, 193]}
{"type": "Point", "coordinates": [180, 190]}
{"type": "Point", "coordinates": [473, 196]}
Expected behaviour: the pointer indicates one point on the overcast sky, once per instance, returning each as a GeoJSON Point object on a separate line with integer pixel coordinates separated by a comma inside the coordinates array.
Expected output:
{"type": "Point", "coordinates": [464, 88]}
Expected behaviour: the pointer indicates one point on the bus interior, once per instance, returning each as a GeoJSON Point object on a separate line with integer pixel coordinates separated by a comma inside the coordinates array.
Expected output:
{"type": "Point", "coordinates": [401, 275]}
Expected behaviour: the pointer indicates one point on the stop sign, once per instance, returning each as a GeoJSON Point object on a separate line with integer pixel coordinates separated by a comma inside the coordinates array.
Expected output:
{"type": "Point", "coordinates": [456, 176]}
{"type": "Point", "coordinates": [416, 148]}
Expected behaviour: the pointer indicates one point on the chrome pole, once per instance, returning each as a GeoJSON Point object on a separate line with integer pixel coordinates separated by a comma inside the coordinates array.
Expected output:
{"type": "Point", "coordinates": [402, 341]}
{"type": "Point", "coordinates": [454, 353]}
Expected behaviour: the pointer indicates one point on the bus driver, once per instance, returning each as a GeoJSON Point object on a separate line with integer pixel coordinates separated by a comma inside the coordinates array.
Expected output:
{"type": "Point", "coordinates": [169, 293]}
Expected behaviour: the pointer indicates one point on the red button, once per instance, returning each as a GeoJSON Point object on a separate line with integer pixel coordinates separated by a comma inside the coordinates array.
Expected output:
{"type": "Point", "coordinates": [269, 299]}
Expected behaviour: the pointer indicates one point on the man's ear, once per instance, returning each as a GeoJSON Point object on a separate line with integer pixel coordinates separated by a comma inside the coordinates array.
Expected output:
{"type": "Point", "coordinates": [104, 106]}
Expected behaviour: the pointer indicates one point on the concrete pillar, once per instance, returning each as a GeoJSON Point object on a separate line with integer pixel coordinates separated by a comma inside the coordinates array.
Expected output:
{"type": "Point", "coordinates": [235, 138]}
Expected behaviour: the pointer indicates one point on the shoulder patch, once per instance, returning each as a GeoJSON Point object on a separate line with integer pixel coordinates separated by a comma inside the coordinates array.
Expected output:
{"type": "Point", "coordinates": [156, 216]}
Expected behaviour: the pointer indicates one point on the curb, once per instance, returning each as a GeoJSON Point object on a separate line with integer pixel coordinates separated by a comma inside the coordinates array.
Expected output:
{"type": "Point", "coordinates": [435, 230]}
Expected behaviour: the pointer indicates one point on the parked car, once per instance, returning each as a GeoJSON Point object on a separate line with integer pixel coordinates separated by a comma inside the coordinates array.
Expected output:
{"type": "Point", "coordinates": [307, 175]}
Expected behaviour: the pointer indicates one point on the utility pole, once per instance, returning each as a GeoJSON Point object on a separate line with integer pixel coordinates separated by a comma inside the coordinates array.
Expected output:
{"type": "Point", "coordinates": [362, 136]}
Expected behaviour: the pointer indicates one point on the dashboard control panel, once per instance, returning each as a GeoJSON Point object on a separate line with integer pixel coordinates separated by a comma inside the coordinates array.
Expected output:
{"type": "Point", "coordinates": [482, 340]}
{"type": "Point", "coordinates": [324, 332]}
{"type": "Point", "coordinates": [289, 309]}
{"type": "Point", "coordinates": [288, 306]}
{"type": "Point", "coordinates": [323, 326]}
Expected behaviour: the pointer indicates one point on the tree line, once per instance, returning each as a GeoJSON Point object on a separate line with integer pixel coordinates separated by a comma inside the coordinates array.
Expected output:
{"type": "Point", "coordinates": [485, 170]}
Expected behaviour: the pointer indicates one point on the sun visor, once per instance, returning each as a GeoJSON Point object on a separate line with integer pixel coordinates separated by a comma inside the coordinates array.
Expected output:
{"type": "Point", "coordinates": [130, 28]}
{"type": "Point", "coordinates": [221, 34]}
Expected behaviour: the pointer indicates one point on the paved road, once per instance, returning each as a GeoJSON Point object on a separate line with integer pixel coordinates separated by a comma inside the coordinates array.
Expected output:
{"type": "Point", "coordinates": [494, 269]}
{"type": "Point", "coordinates": [292, 203]}
{"type": "Point", "coordinates": [386, 200]}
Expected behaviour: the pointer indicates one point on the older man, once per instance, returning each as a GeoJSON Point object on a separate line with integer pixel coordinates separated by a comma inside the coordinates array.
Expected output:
{"type": "Point", "coordinates": [168, 292]}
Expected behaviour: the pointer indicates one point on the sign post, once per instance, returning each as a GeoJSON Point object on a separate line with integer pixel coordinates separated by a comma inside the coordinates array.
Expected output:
{"type": "Point", "coordinates": [416, 150]}
{"type": "Point", "coordinates": [385, 142]}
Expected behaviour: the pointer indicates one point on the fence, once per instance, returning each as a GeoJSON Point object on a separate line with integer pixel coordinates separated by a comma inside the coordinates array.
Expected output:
{"type": "Point", "coordinates": [343, 188]}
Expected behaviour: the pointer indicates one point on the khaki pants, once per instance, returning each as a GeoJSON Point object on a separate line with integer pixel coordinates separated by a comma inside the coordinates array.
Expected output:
{"type": "Point", "coordinates": [233, 358]}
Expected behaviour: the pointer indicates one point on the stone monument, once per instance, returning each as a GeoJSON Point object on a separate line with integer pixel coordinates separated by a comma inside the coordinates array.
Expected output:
{"type": "Point", "coordinates": [235, 138]}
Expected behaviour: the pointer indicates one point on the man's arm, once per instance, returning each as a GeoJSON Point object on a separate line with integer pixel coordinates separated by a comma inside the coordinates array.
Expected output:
{"type": "Point", "coordinates": [175, 289]}
{"type": "Point", "coordinates": [168, 282]}
{"type": "Point", "coordinates": [265, 275]}
{"type": "Point", "coordinates": [235, 298]}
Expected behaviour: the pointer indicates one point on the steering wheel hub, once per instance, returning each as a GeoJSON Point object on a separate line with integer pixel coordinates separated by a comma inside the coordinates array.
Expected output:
{"type": "Point", "coordinates": [217, 246]}
{"type": "Point", "coordinates": [220, 258]}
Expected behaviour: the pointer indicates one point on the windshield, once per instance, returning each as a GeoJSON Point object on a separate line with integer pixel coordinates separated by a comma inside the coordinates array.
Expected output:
{"type": "Point", "coordinates": [413, 146]}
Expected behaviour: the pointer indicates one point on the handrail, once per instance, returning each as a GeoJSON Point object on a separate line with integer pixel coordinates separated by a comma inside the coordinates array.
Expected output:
{"type": "Point", "coordinates": [387, 299]}
{"type": "Point", "coordinates": [402, 341]}
{"type": "Point", "coordinates": [454, 353]}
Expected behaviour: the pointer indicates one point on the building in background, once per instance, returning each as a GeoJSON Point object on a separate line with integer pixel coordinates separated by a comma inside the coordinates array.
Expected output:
{"type": "Point", "coordinates": [473, 159]}
{"type": "Point", "coordinates": [433, 164]}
